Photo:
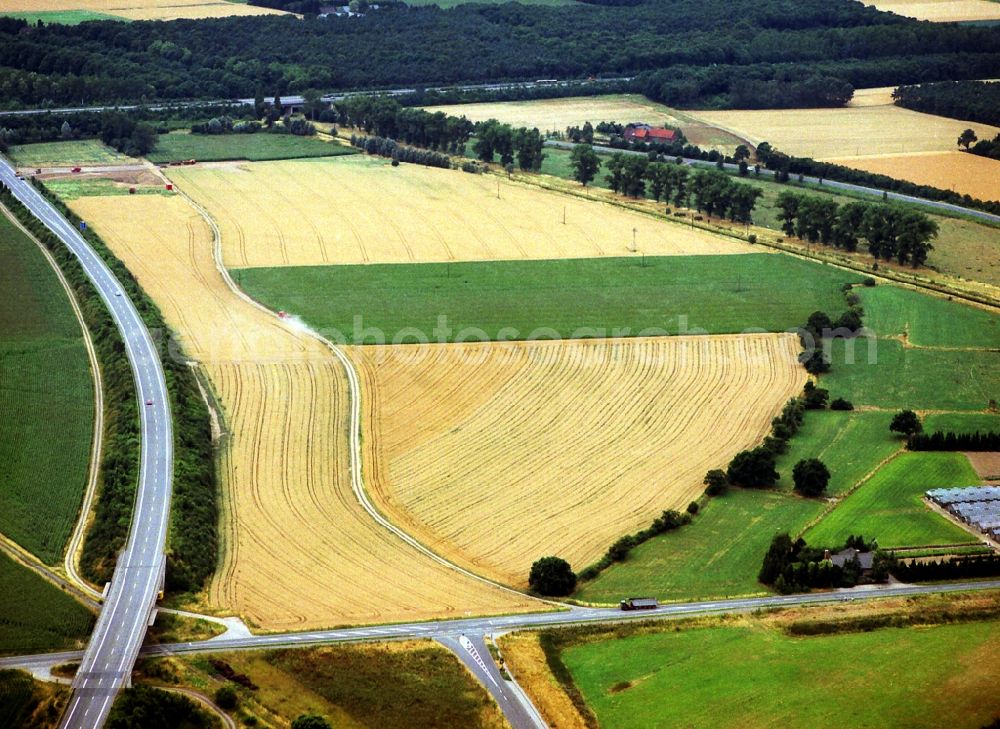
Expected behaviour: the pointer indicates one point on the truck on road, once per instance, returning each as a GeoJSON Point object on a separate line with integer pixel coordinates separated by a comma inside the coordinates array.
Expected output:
{"type": "Point", "coordinates": [639, 603]}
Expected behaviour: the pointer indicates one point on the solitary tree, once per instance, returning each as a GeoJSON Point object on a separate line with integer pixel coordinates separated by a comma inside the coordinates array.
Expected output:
{"type": "Point", "coordinates": [810, 476]}
{"type": "Point", "coordinates": [906, 422]}
{"type": "Point", "coordinates": [552, 576]}
{"type": "Point", "coordinates": [716, 483]}
{"type": "Point", "coordinates": [967, 139]}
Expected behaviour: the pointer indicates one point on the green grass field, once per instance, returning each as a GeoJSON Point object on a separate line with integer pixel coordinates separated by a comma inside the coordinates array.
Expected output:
{"type": "Point", "coordinates": [889, 508]}
{"type": "Point", "coordinates": [62, 154]}
{"type": "Point", "coordinates": [715, 294]}
{"type": "Point", "coordinates": [919, 379]}
{"type": "Point", "coordinates": [178, 146]}
{"type": "Point", "coordinates": [46, 379]}
{"type": "Point", "coordinates": [71, 188]}
{"type": "Point", "coordinates": [62, 17]}
{"type": "Point", "coordinates": [718, 555]}
{"type": "Point", "coordinates": [36, 616]}
{"type": "Point", "coordinates": [851, 444]}
{"type": "Point", "coordinates": [928, 321]}
{"type": "Point", "coordinates": [754, 676]}
{"type": "Point", "coordinates": [962, 422]}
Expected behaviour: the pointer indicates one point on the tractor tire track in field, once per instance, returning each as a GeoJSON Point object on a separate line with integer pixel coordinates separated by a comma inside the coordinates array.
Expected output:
{"type": "Point", "coordinates": [357, 483]}
{"type": "Point", "coordinates": [303, 550]}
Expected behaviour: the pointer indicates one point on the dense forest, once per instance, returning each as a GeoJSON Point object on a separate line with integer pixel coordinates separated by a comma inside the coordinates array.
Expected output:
{"type": "Point", "coordinates": [682, 41]}
{"type": "Point", "coordinates": [977, 101]}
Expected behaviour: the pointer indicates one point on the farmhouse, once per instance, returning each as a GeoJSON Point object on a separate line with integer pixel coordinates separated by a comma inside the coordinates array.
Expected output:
{"type": "Point", "coordinates": [865, 559]}
{"type": "Point", "coordinates": [639, 132]}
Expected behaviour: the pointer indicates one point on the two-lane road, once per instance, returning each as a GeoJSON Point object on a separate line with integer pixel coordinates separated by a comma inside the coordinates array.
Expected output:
{"type": "Point", "coordinates": [107, 663]}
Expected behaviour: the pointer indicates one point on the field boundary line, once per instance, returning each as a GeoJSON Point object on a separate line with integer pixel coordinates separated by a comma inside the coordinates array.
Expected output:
{"type": "Point", "coordinates": [841, 497]}
{"type": "Point", "coordinates": [75, 545]}
{"type": "Point", "coordinates": [354, 388]}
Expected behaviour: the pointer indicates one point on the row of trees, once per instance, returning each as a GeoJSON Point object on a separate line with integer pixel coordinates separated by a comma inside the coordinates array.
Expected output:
{"type": "Point", "coordinates": [390, 149]}
{"type": "Point", "coordinates": [983, 147]}
{"type": "Point", "coordinates": [889, 231]}
{"type": "Point", "coordinates": [709, 191]}
{"type": "Point", "coordinates": [495, 139]}
{"type": "Point", "coordinates": [384, 116]}
{"type": "Point", "coordinates": [949, 441]}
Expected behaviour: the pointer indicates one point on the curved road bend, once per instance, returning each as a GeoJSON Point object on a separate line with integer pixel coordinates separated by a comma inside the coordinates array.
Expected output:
{"type": "Point", "coordinates": [848, 186]}
{"type": "Point", "coordinates": [106, 666]}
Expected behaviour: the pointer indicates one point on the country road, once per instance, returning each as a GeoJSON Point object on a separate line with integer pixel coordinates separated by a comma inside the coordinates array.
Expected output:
{"type": "Point", "coordinates": [106, 665]}
{"type": "Point", "coordinates": [572, 615]}
{"type": "Point", "coordinates": [846, 186]}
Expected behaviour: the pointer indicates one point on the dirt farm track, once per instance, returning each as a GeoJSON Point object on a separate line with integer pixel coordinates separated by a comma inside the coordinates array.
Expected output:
{"type": "Point", "coordinates": [300, 550]}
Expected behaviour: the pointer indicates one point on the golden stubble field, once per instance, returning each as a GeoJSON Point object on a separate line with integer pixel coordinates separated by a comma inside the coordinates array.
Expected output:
{"type": "Point", "coordinates": [959, 171]}
{"type": "Point", "coordinates": [363, 210]}
{"type": "Point", "coordinates": [143, 9]}
{"type": "Point", "coordinates": [558, 114]}
{"type": "Point", "coordinates": [873, 134]}
{"type": "Point", "coordinates": [499, 454]}
{"type": "Point", "coordinates": [940, 11]}
{"type": "Point", "coordinates": [300, 552]}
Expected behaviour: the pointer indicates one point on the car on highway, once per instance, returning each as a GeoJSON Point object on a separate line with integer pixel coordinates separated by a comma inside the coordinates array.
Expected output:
{"type": "Point", "coordinates": [149, 402]}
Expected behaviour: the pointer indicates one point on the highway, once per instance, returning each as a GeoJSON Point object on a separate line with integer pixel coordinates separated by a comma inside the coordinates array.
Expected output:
{"type": "Point", "coordinates": [847, 186]}
{"type": "Point", "coordinates": [106, 664]}
{"type": "Point", "coordinates": [296, 100]}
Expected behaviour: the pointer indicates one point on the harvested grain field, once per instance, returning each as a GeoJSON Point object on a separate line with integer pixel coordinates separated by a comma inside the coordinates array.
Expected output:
{"type": "Point", "coordinates": [142, 9]}
{"type": "Point", "coordinates": [965, 173]}
{"type": "Point", "coordinates": [300, 552]}
{"type": "Point", "coordinates": [363, 210]}
{"type": "Point", "coordinates": [941, 11]}
{"type": "Point", "coordinates": [557, 114]}
{"type": "Point", "coordinates": [498, 454]}
{"type": "Point", "coordinates": [852, 131]}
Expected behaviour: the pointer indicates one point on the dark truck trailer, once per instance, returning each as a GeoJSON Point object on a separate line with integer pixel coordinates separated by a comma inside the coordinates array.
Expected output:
{"type": "Point", "coordinates": [639, 603]}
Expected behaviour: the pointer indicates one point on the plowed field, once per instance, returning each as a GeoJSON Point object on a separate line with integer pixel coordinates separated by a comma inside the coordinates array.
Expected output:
{"type": "Point", "coordinates": [300, 550]}
{"type": "Point", "coordinates": [499, 454]}
{"type": "Point", "coordinates": [143, 9]}
{"type": "Point", "coordinates": [362, 210]}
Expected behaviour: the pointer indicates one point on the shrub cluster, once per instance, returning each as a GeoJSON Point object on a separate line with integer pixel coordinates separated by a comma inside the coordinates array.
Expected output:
{"type": "Point", "coordinates": [619, 551]}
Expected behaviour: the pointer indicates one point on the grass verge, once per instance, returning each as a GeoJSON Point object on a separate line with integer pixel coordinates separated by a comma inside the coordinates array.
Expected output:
{"type": "Point", "coordinates": [29, 704]}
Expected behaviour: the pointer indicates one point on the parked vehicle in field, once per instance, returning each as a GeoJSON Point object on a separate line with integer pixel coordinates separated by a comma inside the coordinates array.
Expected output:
{"type": "Point", "coordinates": [75, 169]}
{"type": "Point", "coordinates": [639, 603]}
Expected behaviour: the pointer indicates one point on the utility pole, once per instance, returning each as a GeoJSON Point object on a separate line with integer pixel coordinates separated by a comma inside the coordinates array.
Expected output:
{"type": "Point", "coordinates": [634, 231]}
{"type": "Point", "coordinates": [564, 215]}
{"type": "Point", "coordinates": [498, 188]}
